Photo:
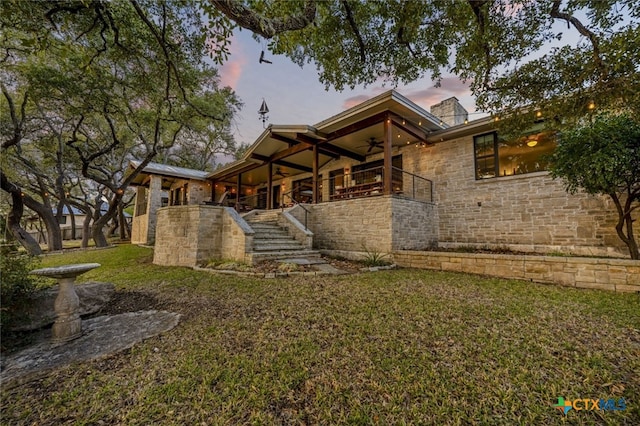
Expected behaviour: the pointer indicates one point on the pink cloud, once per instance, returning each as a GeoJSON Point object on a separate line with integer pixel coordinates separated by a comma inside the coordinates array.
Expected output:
{"type": "Point", "coordinates": [431, 95]}
{"type": "Point", "coordinates": [371, 92]}
{"type": "Point", "coordinates": [231, 71]}
{"type": "Point", "coordinates": [354, 100]}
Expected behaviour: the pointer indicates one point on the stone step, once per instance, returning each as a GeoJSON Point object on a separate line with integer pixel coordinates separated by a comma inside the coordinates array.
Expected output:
{"type": "Point", "coordinates": [260, 225]}
{"type": "Point", "coordinates": [276, 246]}
{"type": "Point", "coordinates": [285, 254]}
{"type": "Point", "coordinates": [282, 235]}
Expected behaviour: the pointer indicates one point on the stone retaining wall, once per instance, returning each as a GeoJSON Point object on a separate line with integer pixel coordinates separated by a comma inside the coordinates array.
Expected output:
{"type": "Point", "coordinates": [191, 235]}
{"type": "Point", "coordinates": [605, 274]}
{"type": "Point", "coordinates": [382, 224]}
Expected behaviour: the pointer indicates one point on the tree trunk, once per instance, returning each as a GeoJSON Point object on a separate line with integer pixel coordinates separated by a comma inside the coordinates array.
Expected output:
{"type": "Point", "coordinates": [86, 230]}
{"type": "Point", "coordinates": [97, 227]}
{"type": "Point", "coordinates": [13, 219]}
{"type": "Point", "coordinates": [124, 230]}
{"type": "Point", "coordinates": [625, 223]}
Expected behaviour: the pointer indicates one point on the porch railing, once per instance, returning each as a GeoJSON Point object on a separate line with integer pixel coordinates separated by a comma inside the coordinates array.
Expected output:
{"type": "Point", "coordinates": [415, 187]}
{"type": "Point", "coordinates": [247, 203]}
{"type": "Point", "coordinates": [370, 183]}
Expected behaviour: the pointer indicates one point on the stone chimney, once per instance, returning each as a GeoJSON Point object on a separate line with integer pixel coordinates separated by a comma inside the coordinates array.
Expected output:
{"type": "Point", "coordinates": [450, 112]}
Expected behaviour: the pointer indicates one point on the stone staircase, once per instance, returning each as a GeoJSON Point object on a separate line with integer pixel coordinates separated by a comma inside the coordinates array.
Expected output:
{"type": "Point", "coordinates": [273, 242]}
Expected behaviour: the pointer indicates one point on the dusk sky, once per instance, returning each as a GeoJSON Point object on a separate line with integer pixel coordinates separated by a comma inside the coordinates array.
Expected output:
{"type": "Point", "coordinates": [296, 96]}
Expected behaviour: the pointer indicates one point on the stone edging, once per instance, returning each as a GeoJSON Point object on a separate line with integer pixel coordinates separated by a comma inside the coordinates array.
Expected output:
{"type": "Point", "coordinates": [598, 273]}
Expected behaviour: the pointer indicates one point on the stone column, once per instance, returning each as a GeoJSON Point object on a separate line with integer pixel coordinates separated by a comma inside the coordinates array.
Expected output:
{"type": "Point", "coordinates": [154, 202]}
{"type": "Point", "coordinates": [141, 193]}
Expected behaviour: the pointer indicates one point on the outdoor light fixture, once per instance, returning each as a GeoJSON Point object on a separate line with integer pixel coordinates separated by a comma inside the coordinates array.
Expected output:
{"type": "Point", "coordinates": [531, 143]}
{"type": "Point", "coordinates": [592, 105]}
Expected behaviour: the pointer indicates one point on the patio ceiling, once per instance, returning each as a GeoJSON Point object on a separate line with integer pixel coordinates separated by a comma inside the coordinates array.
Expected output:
{"type": "Point", "coordinates": [289, 148]}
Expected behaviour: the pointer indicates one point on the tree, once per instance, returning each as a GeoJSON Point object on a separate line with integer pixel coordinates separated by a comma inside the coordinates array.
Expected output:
{"type": "Point", "coordinates": [603, 157]}
{"type": "Point", "coordinates": [113, 81]}
{"type": "Point", "coordinates": [492, 44]}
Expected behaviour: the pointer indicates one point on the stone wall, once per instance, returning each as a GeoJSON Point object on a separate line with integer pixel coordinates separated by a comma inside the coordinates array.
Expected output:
{"type": "Point", "coordinates": [529, 212]}
{"type": "Point", "coordinates": [415, 224]}
{"type": "Point", "coordinates": [605, 274]}
{"type": "Point", "coordinates": [139, 229]}
{"type": "Point", "coordinates": [191, 235]}
{"type": "Point", "coordinates": [295, 227]}
{"type": "Point", "coordinates": [381, 224]}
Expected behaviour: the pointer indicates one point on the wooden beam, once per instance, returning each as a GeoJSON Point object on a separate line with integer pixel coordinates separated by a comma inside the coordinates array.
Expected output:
{"type": "Point", "coordinates": [408, 127]}
{"type": "Point", "coordinates": [242, 170]}
{"type": "Point", "coordinates": [290, 151]}
{"type": "Point", "coordinates": [388, 135]}
{"type": "Point", "coordinates": [334, 151]}
{"type": "Point", "coordinates": [362, 124]}
{"type": "Point", "coordinates": [307, 140]}
{"type": "Point", "coordinates": [282, 163]}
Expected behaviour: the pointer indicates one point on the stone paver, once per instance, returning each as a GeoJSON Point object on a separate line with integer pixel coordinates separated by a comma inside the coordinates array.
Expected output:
{"type": "Point", "coordinates": [101, 336]}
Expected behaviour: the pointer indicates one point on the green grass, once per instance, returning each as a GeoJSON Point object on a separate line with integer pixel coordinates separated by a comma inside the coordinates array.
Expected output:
{"type": "Point", "coordinates": [393, 347]}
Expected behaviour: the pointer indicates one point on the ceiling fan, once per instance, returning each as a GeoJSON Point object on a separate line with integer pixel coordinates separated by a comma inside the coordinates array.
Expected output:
{"type": "Point", "coordinates": [372, 143]}
{"type": "Point", "coordinates": [280, 173]}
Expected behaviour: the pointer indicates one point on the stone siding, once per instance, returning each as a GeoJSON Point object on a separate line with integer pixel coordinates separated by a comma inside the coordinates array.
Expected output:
{"type": "Point", "coordinates": [381, 224]}
{"type": "Point", "coordinates": [295, 227]}
{"type": "Point", "coordinates": [604, 274]}
{"type": "Point", "coordinates": [529, 212]}
{"type": "Point", "coordinates": [139, 229]}
{"type": "Point", "coordinates": [415, 224]}
{"type": "Point", "coordinates": [191, 235]}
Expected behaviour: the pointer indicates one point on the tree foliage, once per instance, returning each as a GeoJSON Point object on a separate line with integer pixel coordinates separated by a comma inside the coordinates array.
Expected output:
{"type": "Point", "coordinates": [492, 44]}
{"type": "Point", "coordinates": [94, 84]}
{"type": "Point", "coordinates": [603, 157]}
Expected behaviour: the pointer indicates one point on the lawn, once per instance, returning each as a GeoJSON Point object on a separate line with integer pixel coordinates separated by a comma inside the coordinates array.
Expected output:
{"type": "Point", "coordinates": [394, 347]}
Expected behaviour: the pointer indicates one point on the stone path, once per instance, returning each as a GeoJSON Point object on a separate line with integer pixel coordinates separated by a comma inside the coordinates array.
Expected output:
{"type": "Point", "coordinates": [101, 336]}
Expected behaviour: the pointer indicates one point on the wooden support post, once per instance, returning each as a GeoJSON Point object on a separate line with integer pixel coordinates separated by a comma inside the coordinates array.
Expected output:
{"type": "Point", "coordinates": [316, 163]}
{"type": "Point", "coordinates": [238, 191]}
{"type": "Point", "coordinates": [270, 186]}
{"type": "Point", "coordinates": [388, 164]}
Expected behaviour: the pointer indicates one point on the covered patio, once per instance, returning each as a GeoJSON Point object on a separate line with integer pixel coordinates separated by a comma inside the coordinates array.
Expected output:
{"type": "Point", "coordinates": [355, 154]}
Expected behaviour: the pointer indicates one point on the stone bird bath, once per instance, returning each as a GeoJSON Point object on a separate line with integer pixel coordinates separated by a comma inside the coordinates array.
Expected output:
{"type": "Point", "coordinates": [68, 325]}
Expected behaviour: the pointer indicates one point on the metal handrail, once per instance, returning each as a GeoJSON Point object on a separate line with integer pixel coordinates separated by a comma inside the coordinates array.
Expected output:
{"type": "Point", "coordinates": [414, 176]}
{"type": "Point", "coordinates": [295, 202]}
{"type": "Point", "coordinates": [244, 201]}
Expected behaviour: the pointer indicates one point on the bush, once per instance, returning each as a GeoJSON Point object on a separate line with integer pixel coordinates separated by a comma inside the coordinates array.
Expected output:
{"type": "Point", "coordinates": [16, 285]}
{"type": "Point", "coordinates": [373, 257]}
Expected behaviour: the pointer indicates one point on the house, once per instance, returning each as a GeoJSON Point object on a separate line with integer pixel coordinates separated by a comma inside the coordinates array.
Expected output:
{"type": "Point", "coordinates": [71, 222]}
{"type": "Point", "coordinates": [385, 175]}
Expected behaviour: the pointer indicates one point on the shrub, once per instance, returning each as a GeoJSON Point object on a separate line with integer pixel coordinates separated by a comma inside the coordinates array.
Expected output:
{"type": "Point", "coordinates": [16, 285]}
{"type": "Point", "coordinates": [373, 257]}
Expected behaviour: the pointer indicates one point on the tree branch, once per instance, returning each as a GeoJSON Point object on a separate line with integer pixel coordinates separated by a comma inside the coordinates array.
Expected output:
{"type": "Point", "coordinates": [170, 64]}
{"type": "Point", "coordinates": [266, 27]}
{"type": "Point", "coordinates": [555, 13]}
{"type": "Point", "coordinates": [356, 31]}
{"type": "Point", "coordinates": [476, 6]}
{"type": "Point", "coordinates": [17, 123]}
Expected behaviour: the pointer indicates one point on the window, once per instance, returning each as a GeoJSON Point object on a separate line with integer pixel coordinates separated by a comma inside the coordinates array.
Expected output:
{"type": "Point", "coordinates": [527, 154]}
{"type": "Point", "coordinates": [63, 220]}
